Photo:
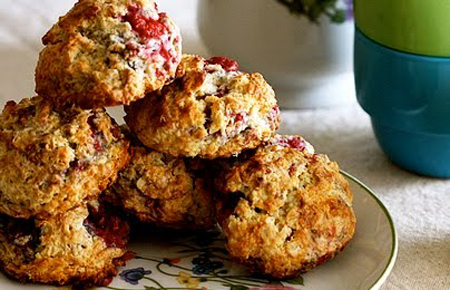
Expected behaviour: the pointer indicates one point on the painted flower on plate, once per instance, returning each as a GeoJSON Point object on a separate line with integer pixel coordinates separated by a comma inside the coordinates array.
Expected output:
{"type": "Point", "coordinates": [203, 265]}
{"type": "Point", "coordinates": [186, 280]}
{"type": "Point", "coordinates": [133, 276]}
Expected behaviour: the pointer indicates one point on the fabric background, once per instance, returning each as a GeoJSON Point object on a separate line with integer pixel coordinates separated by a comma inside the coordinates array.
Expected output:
{"type": "Point", "coordinates": [420, 206]}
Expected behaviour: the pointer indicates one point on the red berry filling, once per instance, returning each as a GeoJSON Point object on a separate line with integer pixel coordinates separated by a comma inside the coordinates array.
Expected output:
{"type": "Point", "coordinates": [148, 30]}
{"type": "Point", "coordinates": [293, 142]}
{"type": "Point", "coordinates": [222, 91]}
{"type": "Point", "coordinates": [96, 134]}
{"type": "Point", "coordinates": [239, 118]}
{"type": "Point", "coordinates": [226, 63]}
{"type": "Point", "coordinates": [111, 228]}
{"type": "Point", "coordinates": [273, 117]}
{"type": "Point", "coordinates": [276, 110]}
{"type": "Point", "coordinates": [146, 27]}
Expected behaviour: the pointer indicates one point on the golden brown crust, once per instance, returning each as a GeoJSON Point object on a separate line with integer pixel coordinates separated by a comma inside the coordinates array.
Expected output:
{"type": "Point", "coordinates": [60, 250]}
{"type": "Point", "coordinates": [52, 161]}
{"type": "Point", "coordinates": [164, 190]}
{"type": "Point", "coordinates": [284, 210]}
{"type": "Point", "coordinates": [107, 53]}
{"type": "Point", "coordinates": [209, 111]}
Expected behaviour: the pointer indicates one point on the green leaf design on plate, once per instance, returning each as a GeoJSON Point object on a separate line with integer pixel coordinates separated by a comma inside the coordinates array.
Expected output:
{"type": "Point", "coordinates": [296, 281]}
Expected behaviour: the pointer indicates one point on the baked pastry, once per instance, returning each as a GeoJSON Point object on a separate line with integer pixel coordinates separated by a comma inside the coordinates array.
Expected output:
{"type": "Point", "coordinates": [211, 110]}
{"type": "Point", "coordinates": [81, 247]}
{"type": "Point", "coordinates": [108, 52]}
{"type": "Point", "coordinates": [283, 209]}
{"type": "Point", "coordinates": [166, 191]}
{"type": "Point", "coordinates": [52, 161]}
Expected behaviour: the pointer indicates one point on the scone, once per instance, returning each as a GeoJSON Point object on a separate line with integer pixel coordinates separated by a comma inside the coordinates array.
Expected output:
{"type": "Point", "coordinates": [108, 52]}
{"type": "Point", "coordinates": [52, 161]}
{"type": "Point", "coordinates": [82, 246]}
{"type": "Point", "coordinates": [211, 110]}
{"type": "Point", "coordinates": [284, 210]}
{"type": "Point", "coordinates": [166, 191]}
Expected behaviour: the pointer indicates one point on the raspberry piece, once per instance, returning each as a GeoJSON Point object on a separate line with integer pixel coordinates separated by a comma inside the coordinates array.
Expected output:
{"type": "Point", "coordinates": [226, 63]}
{"type": "Point", "coordinates": [293, 142]}
{"type": "Point", "coordinates": [146, 27]}
{"type": "Point", "coordinates": [112, 229]}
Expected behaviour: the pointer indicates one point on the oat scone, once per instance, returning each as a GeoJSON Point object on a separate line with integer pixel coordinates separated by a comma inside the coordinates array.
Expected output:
{"type": "Point", "coordinates": [52, 161]}
{"type": "Point", "coordinates": [211, 110]}
{"type": "Point", "coordinates": [284, 210]}
{"type": "Point", "coordinates": [108, 52]}
{"type": "Point", "coordinates": [83, 246]}
{"type": "Point", "coordinates": [166, 191]}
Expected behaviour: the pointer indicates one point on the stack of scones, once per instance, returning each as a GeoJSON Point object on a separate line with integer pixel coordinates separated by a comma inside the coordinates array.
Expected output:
{"type": "Point", "coordinates": [198, 148]}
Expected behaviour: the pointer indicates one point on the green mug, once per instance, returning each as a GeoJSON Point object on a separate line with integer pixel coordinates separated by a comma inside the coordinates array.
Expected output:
{"type": "Point", "coordinates": [414, 26]}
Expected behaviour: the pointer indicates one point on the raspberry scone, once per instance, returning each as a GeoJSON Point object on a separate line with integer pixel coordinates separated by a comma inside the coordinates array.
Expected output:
{"type": "Point", "coordinates": [52, 161]}
{"type": "Point", "coordinates": [211, 110]}
{"type": "Point", "coordinates": [166, 191]}
{"type": "Point", "coordinates": [284, 210]}
{"type": "Point", "coordinates": [108, 52]}
{"type": "Point", "coordinates": [83, 246]}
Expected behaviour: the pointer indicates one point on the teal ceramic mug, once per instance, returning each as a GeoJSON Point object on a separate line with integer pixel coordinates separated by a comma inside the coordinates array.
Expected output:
{"type": "Point", "coordinates": [402, 76]}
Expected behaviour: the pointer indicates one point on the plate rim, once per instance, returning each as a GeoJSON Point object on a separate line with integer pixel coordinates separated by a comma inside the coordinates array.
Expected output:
{"type": "Point", "coordinates": [394, 251]}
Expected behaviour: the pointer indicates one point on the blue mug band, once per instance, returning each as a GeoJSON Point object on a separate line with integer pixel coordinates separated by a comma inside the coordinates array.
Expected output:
{"type": "Point", "coordinates": [404, 91]}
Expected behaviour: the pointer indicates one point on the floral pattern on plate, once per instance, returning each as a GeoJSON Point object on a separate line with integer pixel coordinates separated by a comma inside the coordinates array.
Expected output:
{"type": "Point", "coordinates": [191, 262]}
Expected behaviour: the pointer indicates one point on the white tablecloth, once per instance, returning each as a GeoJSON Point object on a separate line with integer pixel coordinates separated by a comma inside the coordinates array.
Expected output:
{"type": "Point", "coordinates": [420, 206]}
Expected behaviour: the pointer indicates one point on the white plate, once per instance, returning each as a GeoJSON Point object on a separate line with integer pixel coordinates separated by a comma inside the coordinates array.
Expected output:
{"type": "Point", "coordinates": [177, 261]}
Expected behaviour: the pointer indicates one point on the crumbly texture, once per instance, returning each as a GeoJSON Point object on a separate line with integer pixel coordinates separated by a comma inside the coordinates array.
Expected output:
{"type": "Point", "coordinates": [284, 209]}
{"type": "Point", "coordinates": [64, 249]}
{"type": "Point", "coordinates": [166, 191]}
{"type": "Point", "coordinates": [211, 110]}
{"type": "Point", "coordinates": [108, 52]}
{"type": "Point", "coordinates": [52, 161]}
